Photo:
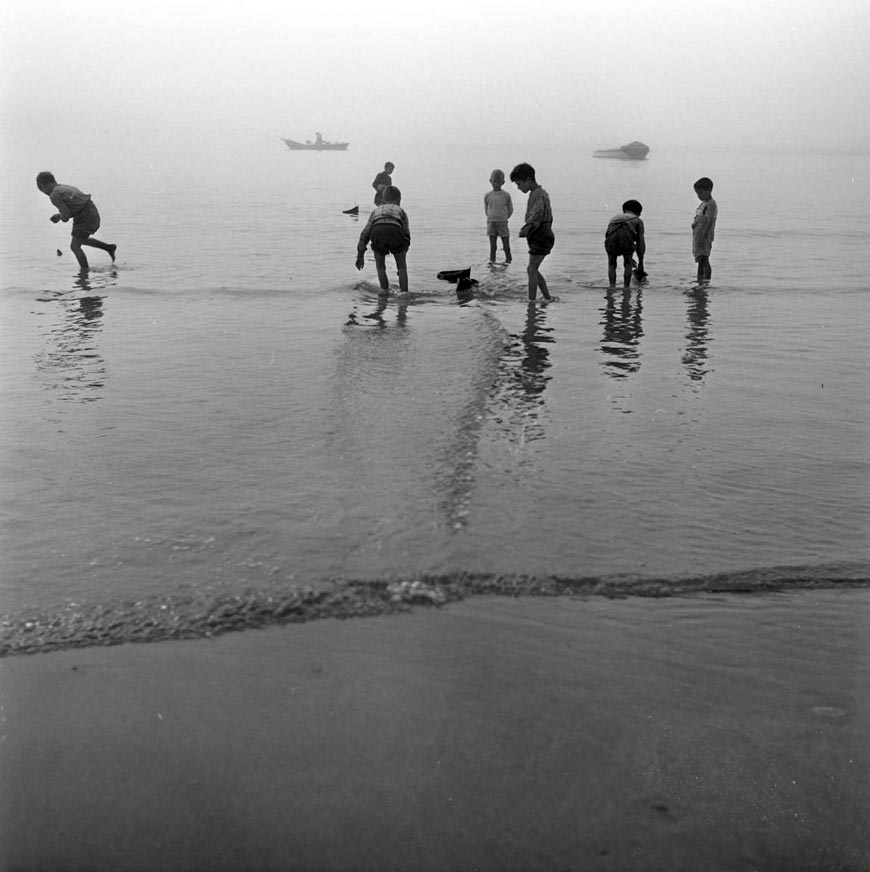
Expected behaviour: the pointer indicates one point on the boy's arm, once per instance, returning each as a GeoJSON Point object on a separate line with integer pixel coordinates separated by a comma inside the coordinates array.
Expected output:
{"type": "Point", "coordinates": [707, 220]}
{"type": "Point", "coordinates": [534, 214]}
{"type": "Point", "coordinates": [406, 225]}
{"type": "Point", "coordinates": [641, 244]}
{"type": "Point", "coordinates": [510, 205]}
{"type": "Point", "coordinates": [363, 243]}
{"type": "Point", "coordinates": [63, 211]}
{"type": "Point", "coordinates": [486, 203]}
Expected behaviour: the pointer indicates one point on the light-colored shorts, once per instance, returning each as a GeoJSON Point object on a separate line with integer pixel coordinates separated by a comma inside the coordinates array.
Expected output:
{"type": "Point", "coordinates": [701, 248]}
{"type": "Point", "coordinates": [497, 228]}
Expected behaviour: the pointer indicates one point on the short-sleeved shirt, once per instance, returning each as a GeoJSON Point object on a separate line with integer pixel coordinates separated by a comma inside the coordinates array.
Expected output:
{"type": "Point", "coordinates": [68, 200]}
{"type": "Point", "coordinates": [622, 234]}
{"type": "Point", "coordinates": [704, 227]}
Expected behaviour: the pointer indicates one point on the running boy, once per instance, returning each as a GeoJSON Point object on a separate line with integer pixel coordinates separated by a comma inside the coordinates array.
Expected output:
{"type": "Point", "coordinates": [703, 227]}
{"type": "Point", "coordinates": [73, 203]}
{"type": "Point", "coordinates": [389, 233]}
{"type": "Point", "coordinates": [623, 237]}
{"type": "Point", "coordinates": [499, 207]}
{"type": "Point", "coordinates": [538, 227]}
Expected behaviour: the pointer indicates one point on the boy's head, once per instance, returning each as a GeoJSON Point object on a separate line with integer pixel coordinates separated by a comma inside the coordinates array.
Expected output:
{"type": "Point", "coordinates": [496, 179]}
{"type": "Point", "coordinates": [392, 194]}
{"type": "Point", "coordinates": [632, 206]}
{"type": "Point", "coordinates": [45, 181]}
{"type": "Point", "coordinates": [523, 172]}
{"type": "Point", "coordinates": [704, 188]}
{"type": "Point", "coordinates": [389, 167]}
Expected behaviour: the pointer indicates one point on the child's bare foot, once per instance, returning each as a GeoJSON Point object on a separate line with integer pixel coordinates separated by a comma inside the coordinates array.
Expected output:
{"type": "Point", "coordinates": [111, 250]}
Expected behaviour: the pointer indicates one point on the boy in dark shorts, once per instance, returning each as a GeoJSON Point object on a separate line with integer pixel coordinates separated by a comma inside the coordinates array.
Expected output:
{"type": "Point", "coordinates": [538, 228]}
{"type": "Point", "coordinates": [75, 204]}
{"type": "Point", "coordinates": [389, 233]}
{"type": "Point", "coordinates": [623, 237]}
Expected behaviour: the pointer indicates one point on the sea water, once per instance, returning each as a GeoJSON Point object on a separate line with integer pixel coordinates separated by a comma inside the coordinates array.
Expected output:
{"type": "Point", "coordinates": [231, 406]}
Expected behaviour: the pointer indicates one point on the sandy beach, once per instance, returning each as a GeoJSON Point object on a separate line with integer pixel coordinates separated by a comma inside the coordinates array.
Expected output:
{"type": "Point", "coordinates": [708, 732]}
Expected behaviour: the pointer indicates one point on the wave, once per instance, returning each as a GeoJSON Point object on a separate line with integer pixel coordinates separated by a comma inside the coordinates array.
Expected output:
{"type": "Point", "coordinates": [206, 614]}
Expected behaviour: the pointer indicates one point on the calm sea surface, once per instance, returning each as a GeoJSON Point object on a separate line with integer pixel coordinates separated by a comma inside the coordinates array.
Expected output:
{"type": "Point", "coordinates": [231, 407]}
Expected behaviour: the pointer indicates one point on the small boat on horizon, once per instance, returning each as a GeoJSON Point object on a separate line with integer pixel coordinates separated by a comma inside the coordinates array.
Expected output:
{"type": "Point", "coordinates": [319, 144]}
{"type": "Point", "coordinates": [632, 151]}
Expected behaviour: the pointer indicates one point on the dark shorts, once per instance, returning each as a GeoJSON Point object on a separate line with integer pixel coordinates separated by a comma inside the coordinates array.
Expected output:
{"type": "Point", "coordinates": [541, 241]}
{"type": "Point", "coordinates": [86, 222]}
{"type": "Point", "coordinates": [616, 250]}
{"type": "Point", "coordinates": [389, 239]}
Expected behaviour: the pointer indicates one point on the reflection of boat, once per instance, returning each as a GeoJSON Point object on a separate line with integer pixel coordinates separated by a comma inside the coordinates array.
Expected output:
{"type": "Point", "coordinates": [632, 151]}
{"type": "Point", "coordinates": [319, 144]}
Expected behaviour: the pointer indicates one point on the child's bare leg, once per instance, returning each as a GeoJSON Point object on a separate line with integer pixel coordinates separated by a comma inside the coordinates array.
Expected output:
{"type": "Point", "coordinates": [626, 274]}
{"type": "Point", "coordinates": [704, 271]}
{"type": "Point", "coordinates": [536, 280]}
{"type": "Point", "coordinates": [381, 267]}
{"type": "Point", "coordinates": [611, 271]}
{"type": "Point", "coordinates": [492, 241]}
{"type": "Point", "coordinates": [506, 245]}
{"type": "Point", "coordinates": [105, 246]}
{"type": "Point", "coordinates": [402, 268]}
{"type": "Point", "coordinates": [76, 248]}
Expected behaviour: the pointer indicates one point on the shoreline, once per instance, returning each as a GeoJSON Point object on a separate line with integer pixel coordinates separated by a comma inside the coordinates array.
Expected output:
{"type": "Point", "coordinates": [710, 732]}
{"type": "Point", "coordinates": [205, 614]}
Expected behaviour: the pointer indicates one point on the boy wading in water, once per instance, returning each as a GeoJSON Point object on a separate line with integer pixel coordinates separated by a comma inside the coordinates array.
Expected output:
{"type": "Point", "coordinates": [499, 208]}
{"type": "Point", "coordinates": [389, 233]}
{"type": "Point", "coordinates": [623, 237]}
{"type": "Point", "coordinates": [538, 228]}
{"type": "Point", "coordinates": [75, 204]}
{"type": "Point", "coordinates": [703, 228]}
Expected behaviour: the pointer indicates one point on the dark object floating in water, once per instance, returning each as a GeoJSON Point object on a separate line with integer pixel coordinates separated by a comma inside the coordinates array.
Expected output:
{"type": "Point", "coordinates": [354, 211]}
{"type": "Point", "coordinates": [631, 151]}
{"type": "Point", "coordinates": [319, 144]}
{"type": "Point", "coordinates": [454, 275]}
{"type": "Point", "coordinates": [465, 288]}
{"type": "Point", "coordinates": [59, 253]}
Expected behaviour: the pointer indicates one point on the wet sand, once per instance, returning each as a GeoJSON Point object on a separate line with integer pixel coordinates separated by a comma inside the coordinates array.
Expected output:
{"type": "Point", "coordinates": [714, 732]}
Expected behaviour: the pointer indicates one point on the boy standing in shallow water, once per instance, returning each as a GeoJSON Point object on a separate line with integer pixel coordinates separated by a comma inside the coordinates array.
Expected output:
{"type": "Point", "coordinates": [389, 232]}
{"type": "Point", "coordinates": [382, 182]}
{"type": "Point", "coordinates": [623, 237]}
{"type": "Point", "coordinates": [75, 204]}
{"type": "Point", "coordinates": [538, 228]}
{"type": "Point", "coordinates": [499, 207]}
{"type": "Point", "coordinates": [703, 227]}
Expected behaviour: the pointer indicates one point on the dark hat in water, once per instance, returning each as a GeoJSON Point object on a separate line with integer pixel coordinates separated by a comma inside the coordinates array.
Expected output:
{"type": "Point", "coordinates": [354, 211]}
{"type": "Point", "coordinates": [454, 275]}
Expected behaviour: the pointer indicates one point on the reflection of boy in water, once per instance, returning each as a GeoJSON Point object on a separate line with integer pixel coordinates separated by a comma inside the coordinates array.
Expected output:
{"type": "Point", "coordinates": [538, 228]}
{"type": "Point", "coordinates": [73, 203]}
{"type": "Point", "coordinates": [389, 232]}
{"type": "Point", "coordinates": [623, 237]}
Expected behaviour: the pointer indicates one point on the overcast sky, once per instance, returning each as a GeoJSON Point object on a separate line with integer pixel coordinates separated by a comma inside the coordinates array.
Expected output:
{"type": "Point", "coordinates": [764, 73]}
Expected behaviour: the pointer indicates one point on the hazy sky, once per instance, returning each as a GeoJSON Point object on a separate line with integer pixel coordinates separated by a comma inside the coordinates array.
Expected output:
{"type": "Point", "coordinates": [723, 72]}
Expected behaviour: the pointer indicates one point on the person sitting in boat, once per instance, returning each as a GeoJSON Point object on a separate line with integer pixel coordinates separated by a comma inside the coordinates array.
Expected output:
{"type": "Point", "coordinates": [318, 139]}
{"type": "Point", "coordinates": [624, 236]}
